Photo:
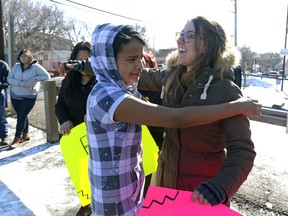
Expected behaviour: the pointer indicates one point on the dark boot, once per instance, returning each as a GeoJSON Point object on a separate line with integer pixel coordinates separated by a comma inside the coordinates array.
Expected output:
{"type": "Point", "coordinates": [4, 141]}
{"type": "Point", "coordinates": [84, 211]}
{"type": "Point", "coordinates": [15, 143]}
{"type": "Point", "coordinates": [24, 138]}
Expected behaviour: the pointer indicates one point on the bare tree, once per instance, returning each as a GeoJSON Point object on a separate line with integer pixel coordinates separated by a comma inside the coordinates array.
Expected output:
{"type": "Point", "coordinates": [142, 30]}
{"type": "Point", "coordinates": [78, 31]}
{"type": "Point", "coordinates": [37, 26]}
{"type": "Point", "coordinates": [268, 61]}
{"type": "Point", "coordinates": [247, 57]}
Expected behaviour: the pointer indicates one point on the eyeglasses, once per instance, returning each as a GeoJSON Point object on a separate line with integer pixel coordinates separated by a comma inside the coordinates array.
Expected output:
{"type": "Point", "coordinates": [186, 37]}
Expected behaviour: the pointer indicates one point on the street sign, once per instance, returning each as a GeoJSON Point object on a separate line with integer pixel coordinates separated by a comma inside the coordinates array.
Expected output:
{"type": "Point", "coordinates": [284, 52]}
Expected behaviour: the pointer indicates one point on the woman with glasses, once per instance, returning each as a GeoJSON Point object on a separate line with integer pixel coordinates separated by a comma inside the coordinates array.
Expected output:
{"type": "Point", "coordinates": [115, 113]}
{"type": "Point", "coordinates": [24, 79]}
{"type": "Point", "coordinates": [214, 159]}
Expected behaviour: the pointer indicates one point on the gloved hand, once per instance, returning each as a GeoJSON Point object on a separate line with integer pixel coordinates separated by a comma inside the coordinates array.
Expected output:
{"type": "Point", "coordinates": [209, 192]}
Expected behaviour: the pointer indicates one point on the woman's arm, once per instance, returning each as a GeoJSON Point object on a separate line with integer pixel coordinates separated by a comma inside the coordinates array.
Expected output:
{"type": "Point", "coordinates": [136, 111]}
{"type": "Point", "coordinates": [151, 80]}
{"type": "Point", "coordinates": [42, 73]}
{"type": "Point", "coordinates": [11, 76]}
{"type": "Point", "coordinates": [61, 109]}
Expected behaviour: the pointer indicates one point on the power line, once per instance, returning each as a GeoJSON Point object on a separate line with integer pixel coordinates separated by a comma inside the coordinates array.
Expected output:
{"type": "Point", "coordinates": [61, 3]}
{"type": "Point", "coordinates": [96, 9]}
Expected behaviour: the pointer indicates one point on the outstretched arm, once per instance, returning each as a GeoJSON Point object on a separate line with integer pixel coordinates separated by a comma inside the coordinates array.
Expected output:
{"type": "Point", "coordinates": [133, 110]}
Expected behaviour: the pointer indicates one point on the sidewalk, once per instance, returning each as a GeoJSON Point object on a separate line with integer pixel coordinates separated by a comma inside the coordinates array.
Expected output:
{"type": "Point", "coordinates": [34, 179]}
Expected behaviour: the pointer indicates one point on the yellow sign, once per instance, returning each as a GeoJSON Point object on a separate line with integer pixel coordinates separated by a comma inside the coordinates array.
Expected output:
{"type": "Point", "coordinates": [75, 152]}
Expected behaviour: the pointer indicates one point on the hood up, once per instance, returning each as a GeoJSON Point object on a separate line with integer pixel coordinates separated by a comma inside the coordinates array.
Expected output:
{"type": "Point", "coordinates": [103, 60]}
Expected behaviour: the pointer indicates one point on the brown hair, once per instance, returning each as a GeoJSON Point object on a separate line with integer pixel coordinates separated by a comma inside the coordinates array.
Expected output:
{"type": "Point", "coordinates": [27, 52]}
{"type": "Point", "coordinates": [83, 45]}
{"type": "Point", "coordinates": [150, 59]}
{"type": "Point", "coordinates": [215, 40]}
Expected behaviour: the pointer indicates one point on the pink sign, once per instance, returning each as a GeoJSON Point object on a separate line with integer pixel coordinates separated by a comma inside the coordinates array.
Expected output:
{"type": "Point", "coordinates": [170, 202]}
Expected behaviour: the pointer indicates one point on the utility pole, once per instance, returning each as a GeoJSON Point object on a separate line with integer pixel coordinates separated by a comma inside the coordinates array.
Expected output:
{"type": "Point", "coordinates": [285, 45]}
{"type": "Point", "coordinates": [2, 56]}
{"type": "Point", "coordinates": [235, 23]}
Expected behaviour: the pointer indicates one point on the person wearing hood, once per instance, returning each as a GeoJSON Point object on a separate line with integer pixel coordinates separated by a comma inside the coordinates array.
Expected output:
{"type": "Point", "coordinates": [213, 159]}
{"type": "Point", "coordinates": [24, 79]}
{"type": "Point", "coordinates": [115, 113]}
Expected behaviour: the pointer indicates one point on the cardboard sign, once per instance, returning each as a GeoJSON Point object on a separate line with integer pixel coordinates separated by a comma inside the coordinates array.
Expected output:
{"type": "Point", "coordinates": [170, 202]}
{"type": "Point", "coordinates": [75, 151]}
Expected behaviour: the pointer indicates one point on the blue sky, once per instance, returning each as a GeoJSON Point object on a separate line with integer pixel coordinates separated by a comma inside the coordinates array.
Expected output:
{"type": "Point", "coordinates": [261, 23]}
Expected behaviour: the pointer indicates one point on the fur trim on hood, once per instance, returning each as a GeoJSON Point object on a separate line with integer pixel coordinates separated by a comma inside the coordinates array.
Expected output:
{"type": "Point", "coordinates": [229, 60]}
{"type": "Point", "coordinates": [172, 59]}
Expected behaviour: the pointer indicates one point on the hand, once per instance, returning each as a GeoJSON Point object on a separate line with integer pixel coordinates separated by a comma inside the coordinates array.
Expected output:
{"type": "Point", "coordinates": [69, 66]}
{"type": "Point", "coordinates": [249, 107]}
{"type": "Point", "coordinates": [201, 198]}
{"type": "Point", "coordinates": [4, 85]}
{"type": "Point", "coordinates": [66, 127]}
{"type": "Point", "coordinates": [31, 82]}
{"type": "Point", "coordinates": [209, 192]}
{"type": "Point", "coordinates": [22, 83]}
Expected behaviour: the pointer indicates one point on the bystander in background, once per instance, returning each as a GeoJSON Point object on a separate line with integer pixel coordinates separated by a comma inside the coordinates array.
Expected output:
{"type": "Point", "coordinates": [238, 76]}
{"type": "Point", "coordinates": [70, 107]}
{"type": "Point", "coordinates": [24, 79]}
{"type": "Point", "coordinates": [4, 71]}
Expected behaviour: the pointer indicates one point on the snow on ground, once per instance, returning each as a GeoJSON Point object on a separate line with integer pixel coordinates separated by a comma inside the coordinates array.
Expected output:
{"type": "Point", "coordinates": [34, 179]}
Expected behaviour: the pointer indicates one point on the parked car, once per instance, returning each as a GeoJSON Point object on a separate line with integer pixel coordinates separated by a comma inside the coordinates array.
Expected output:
{"type": "Point", "coordinates": [274, 74]}
{"type": "Point", "coordinates": [265, 74]}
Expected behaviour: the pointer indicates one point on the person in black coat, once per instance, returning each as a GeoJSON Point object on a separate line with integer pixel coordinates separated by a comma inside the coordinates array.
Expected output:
{"type": "Point", "coordinates": [4, 71]}
{"type": "Point", "coordinates": [238, 76]}
{"type": "Point", "coordinates": [70, 107]}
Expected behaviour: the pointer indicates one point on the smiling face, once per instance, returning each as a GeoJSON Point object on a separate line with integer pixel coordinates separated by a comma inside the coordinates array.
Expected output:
{"type": "Point", "coordinates": [25, 58]}
{"type": "Point", "coordinates": [130, 61]}
{"type": "Point", "coordinates": [187, 47]}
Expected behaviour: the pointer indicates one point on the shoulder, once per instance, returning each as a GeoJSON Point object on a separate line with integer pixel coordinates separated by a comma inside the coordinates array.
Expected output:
{"type": "Point", "coordinates": [3, 63]}
{"type": "Point", "coordinates": [37, 65]}
{"type": "Point", "coordinates": [16, 67]}
{"type": "Point", "coordinates": [230, 90]}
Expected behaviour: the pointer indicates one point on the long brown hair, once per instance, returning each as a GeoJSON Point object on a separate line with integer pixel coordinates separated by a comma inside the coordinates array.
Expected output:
{"type": "Point", "coordinates": [215, 40]}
